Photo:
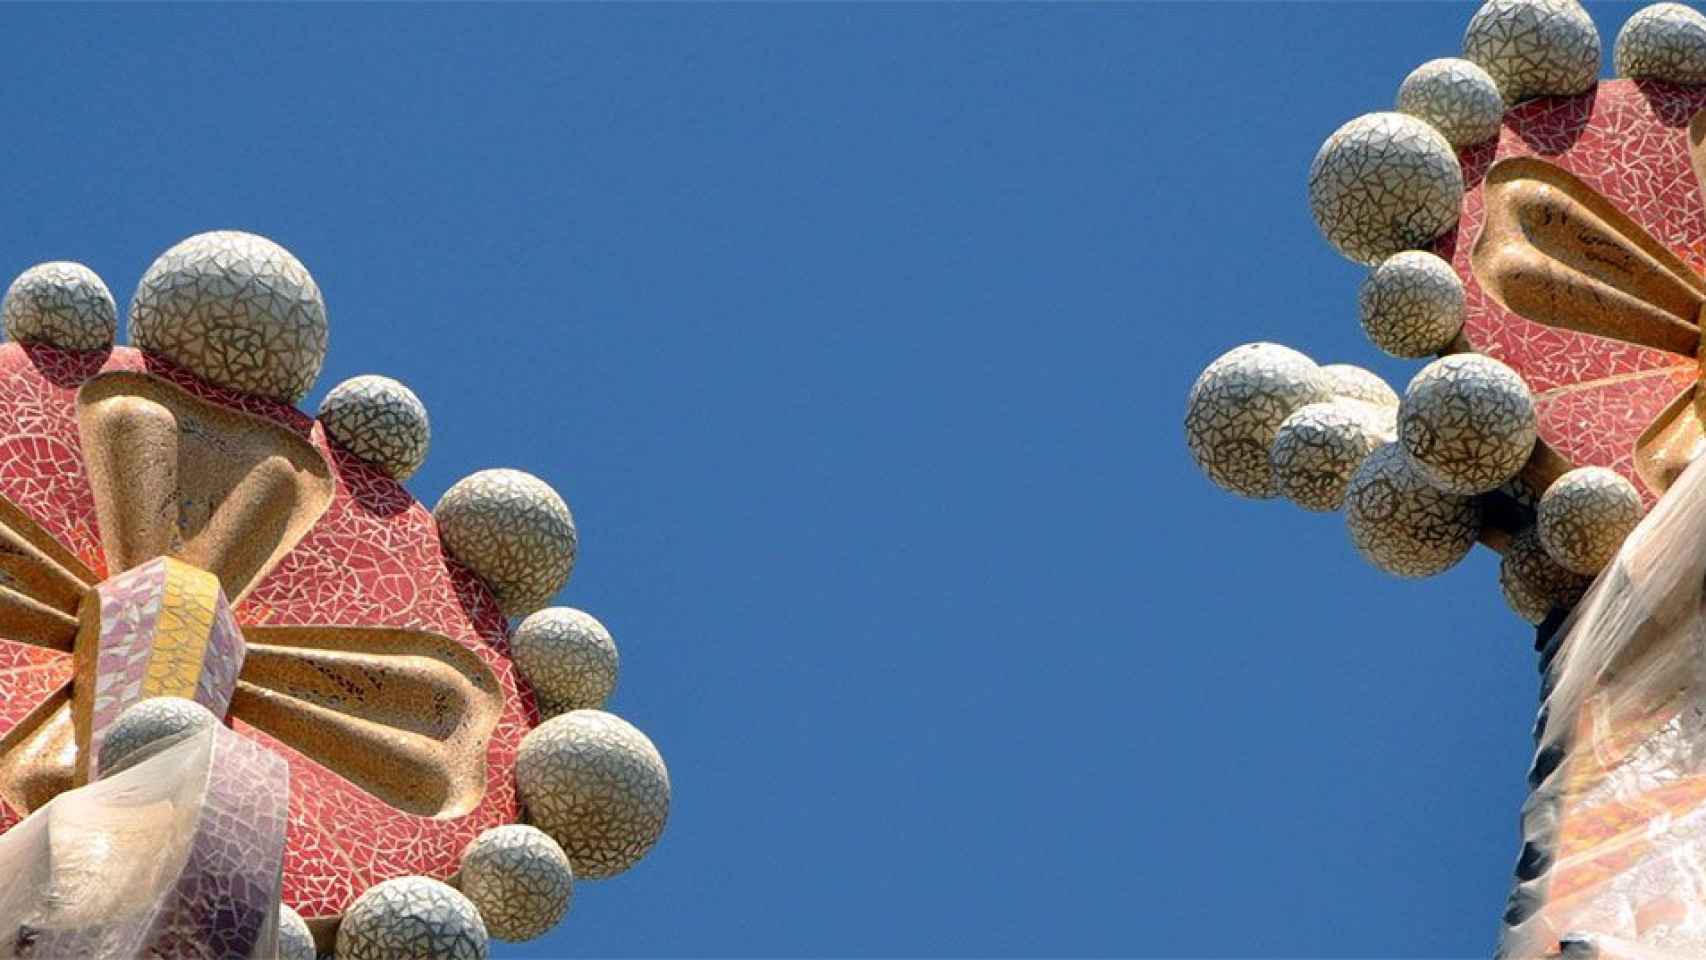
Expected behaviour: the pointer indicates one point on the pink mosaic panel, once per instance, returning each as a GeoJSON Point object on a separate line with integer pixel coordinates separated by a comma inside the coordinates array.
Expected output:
{"type": "Point", "coordinates": [1629, 141]}
{"type": "Point", "coordinates": [222, 661]}
{"type": "Point", "coordinates": [130, 608]}
{"type": "Point", "coordinates": [373, 559]}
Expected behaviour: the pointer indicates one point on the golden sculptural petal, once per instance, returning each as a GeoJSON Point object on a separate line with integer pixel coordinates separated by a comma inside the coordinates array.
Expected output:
{"type": "Point", "coordinates": [1556, 252]}
{"type": "Point", "coordinates": [39, 755]}
{"type": "Point", "coordinates": [175, 475]}
{"type": "Point", "coordinates": [404, 714]}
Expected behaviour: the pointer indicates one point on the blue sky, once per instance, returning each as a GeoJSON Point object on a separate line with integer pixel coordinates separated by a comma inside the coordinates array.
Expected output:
{"type": "Point", "coordinates": [858, 339]}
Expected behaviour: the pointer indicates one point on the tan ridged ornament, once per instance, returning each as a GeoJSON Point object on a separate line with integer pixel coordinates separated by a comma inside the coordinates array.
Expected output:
{"type": "Point", "coordinates": [1533, 583]}
{"type": "Point", "coordinates": [1402, 524]}
{"type": "Point", "coordinates": [598, 786]}
{"type": "Point", "coordinates": [1468, 423]}
{"type": "Point", "coordinates": [1455, 97]}
{"type": "Point", "coordinates": [1237, 405]}
{"type": "Point", "coordinates": [1319, 448]}
{"type": "Point", "coordinates": [1384, 183]}
{"type": "Point", "coordinates": [1585, 515]}
{"type": "Point", "coordinates": [1534, 48]}
{"type": "Point", "coordinates": [519, 878]}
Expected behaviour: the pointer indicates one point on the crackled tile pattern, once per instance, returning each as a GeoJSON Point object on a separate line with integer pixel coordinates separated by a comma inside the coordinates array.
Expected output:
{"type": "Point", "coordinates": [1666, 41]}
{"type": "Point", "coordinates": [1352, 382]}
{"type": "Point", "coordinates": [1533, 583]}
{"type": "Point", "coordinates": [1383, 183]}
{"type": "Point", "coordinates": [373, 558]}
{"type": "Point", "coordinates": [146, 727]}
{"type": "Point", "coordinates": [1411, 304]}
{"type": "Point", "coordinates": [567, 657]}
{"type": "Point", "coordinates": [1584, 516]}
{"type": "Point", "coordinates": [236, 309]}
{"type": "Point", "coordinates": [1237, 405]}
{"type": "Point", "coordinates": [1458, 98]}
{"type": "Point", "coordinates": [1534, 48]}
{"type": "Point", "coordinates": [520, 880]}
{"type": "Point", "coordinates": [1400, 523]}
{"type": "Point", "coordinates": [412, 918]}
{"type": "Point", "coordinates": [1629, 141]}
{"type": "Point", "coordinates": [598, 786]}
{"type": "Point", "coordinates": [380, 421]}
{"type": "Point", "coordinates": [1318, 449]}
{"type": "Point", "coordinates": [514, 531]}
{"type": "Point", "coordinates": [60, 303]}
{"type": "Point", "coordinates": [1468, 423]}
{"type": "Point", "coordinates": [295, 942]}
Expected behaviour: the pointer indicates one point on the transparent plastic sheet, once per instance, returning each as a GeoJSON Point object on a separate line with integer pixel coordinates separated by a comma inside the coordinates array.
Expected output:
{"type": "Point", "coordinates": [177, 857]}
{"type": "Point", "coordinates": [1614, 829]}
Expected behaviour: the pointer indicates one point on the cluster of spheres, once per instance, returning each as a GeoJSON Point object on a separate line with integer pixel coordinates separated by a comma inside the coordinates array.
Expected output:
{"type": "Point", "coordinates": [240, 311]}
{"type": "Point", "coordinates": [1423, 477]}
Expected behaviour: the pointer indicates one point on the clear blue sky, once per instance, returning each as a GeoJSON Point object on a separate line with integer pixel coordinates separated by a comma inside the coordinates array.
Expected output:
{"type": "Point", "coordinates": [858, 339]}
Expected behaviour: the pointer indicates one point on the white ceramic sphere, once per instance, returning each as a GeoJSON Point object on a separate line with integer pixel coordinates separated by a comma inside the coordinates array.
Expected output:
{"type": "Point", "coordinates": [1401, 523]}
{"type": "Point", "coordinates": [1585, 515]}
{"type": "Point", "coordinates": [1468, 423]}
{"type": "Point", "coordinates": [237, 310]}
{"type": "Point", "coordinates": [514, 532]}
{"type": "Point", "coordinates": [1411, 304]}
{"type": "Point", "coordinates": [1455, 97]}
{"type": "Point", "coordinates": [1384, 183]}
{"type": "Point", "coordinates": [379, 420]}
{"type": "Point", "coordinates": [567, 657]}
{"type": "Point", "coordinates": [147, 727]}
{"type": "Point", "coordinates": [61, 304]}
{"type": "Point", "coordinates": [1320, 446]}
{"type": "Point", "coordinates": [1533, 583]}
{"type": "Point", "coordinates": [1534, 48]}
{"type": "Point", "coordinates": [1352, 382]}
{"type": "Point", "coordinates": [1666, 41]}
{"type": "Point", "coordinates": [1236, 406]}
{"type": "Point", "coordinates": [295, 941]}
{"type": "Point", "coordinates": [412, 918]}
{"type": "Point", "coordinates": [598, 786]}
{"type": "Point", "coordinates": [520, 880]}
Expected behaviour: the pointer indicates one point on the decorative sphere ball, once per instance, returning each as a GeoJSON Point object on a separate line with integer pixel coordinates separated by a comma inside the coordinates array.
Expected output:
{"type": "Point", "coordinates": [1585, 515]}
{"type": "Point", "coordinates": [1534, 583]}
{"type": "Point", "coordinates": [147, 727]}
{"type": "Point", "coordinates": [1468, 423]}
{"type": "Point", "coordinates": [597, 786]}
{"type": "Point", "coordinates": [568, 657]}
{"type": "Point", "coordinates": [1402, 524]}
{"type": "Point", "coordinates": [1383, 183]}
{"type": "Point", "coordinates": [1456, 97]}
{"type": "Point", "coordinates": [1411, 304]}
{"type": "Point", "coordinates": [379, 420]}
{"type": "Point", "coordinates": [514, 532]}
{"type": "Point", "coordinates": [235, 309]}
{"type": "Point", "coordinates": [1319, 447]}
{"type": "Point", "coordinates": [295, 942]}
{"type": "Point", "coordinates": [1534, 48]}
{"type": "Point", "coordinates": [1666, 41]}
{"type": "Point", "coordinates": [411, 918]}
{"type": "Point", "coordinates": [1355, 383]}
{"type": "Point", "coordinates": [519, 878]}
{"type": "Point", "coordinates": [1237, 405]}
{"type": "Point", "coordinates": [61, 304]}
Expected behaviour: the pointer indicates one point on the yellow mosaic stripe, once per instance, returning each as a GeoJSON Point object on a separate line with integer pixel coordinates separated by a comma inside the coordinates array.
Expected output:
{"type": "Point", "coordinates": [180, 639]}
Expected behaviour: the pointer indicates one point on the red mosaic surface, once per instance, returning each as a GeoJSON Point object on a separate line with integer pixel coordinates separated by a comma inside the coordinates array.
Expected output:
{"type": "Point", "coordinates": [372, 559]}
{"type": "Point", "coordinates": [1629, 141]}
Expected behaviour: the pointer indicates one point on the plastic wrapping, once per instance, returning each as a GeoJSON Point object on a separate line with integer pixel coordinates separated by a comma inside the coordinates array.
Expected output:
{"type": "Point", "coordinates": [1614, 855]}
{"type": "Point", "coordinates": [179, 856]}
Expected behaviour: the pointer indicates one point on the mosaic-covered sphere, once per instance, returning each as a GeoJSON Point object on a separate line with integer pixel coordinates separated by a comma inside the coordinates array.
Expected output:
{"type": "Point", "coordinates": [61, 304]}
{"type": "Point", "coordinates": [295, 942]}
{"type": "Point", "coordinates": [1455, 97]}
{"type": "Point", "coordinates": [1237, 405]}
{"type": "Point", "coordinates": [514, 532]}
{"type": "Point", "coordinates": [597, 785]}
{"type": "Point", "coordinates": [1534, 48]}
{"type": "Point", "coordinates": [379, 420]}
{"type": "Point", "coordinates": [149, 726]}
{"type": "Point", "coordinates": [519, 878]}
{"type": "Point", "coordinates": [1533, 583]}
{"type": "Point", "coordinates": [568, 657]}
{"type": "Point", "coordinates": [235, 309]}
{"type": "Point", "coordinates": [1401, 523]}
{"type": "Point", "coordinates": [1384, 183]}
{"type": "Point", "coordinates": [1355, 383]}
{"type": "Point", "coordinates": [1666, 41]}
{"type": "Point", "coordinates": [1584, 517]}
{"type": "Point", "coordinates": [412, 918]}
{"type": "Point", "coordinates": [1468, 423]}
{"type": "Point", "coordinates": [1411, 304]}
{"type": "Point", "coordinates": [1320, 446]}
